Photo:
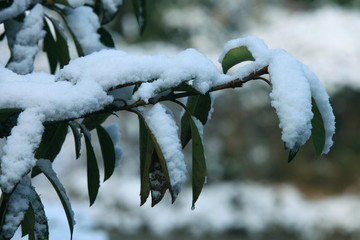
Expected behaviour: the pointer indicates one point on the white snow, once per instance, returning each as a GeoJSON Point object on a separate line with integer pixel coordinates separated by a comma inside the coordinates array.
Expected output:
{"type": "Point", "coordinates": [165, 130]}
{"type": "Point", "coordinates": [111, 5]}
{"type": "Point", "coordinates": [76, 3]}
{"type": "Point", "coordinates": [17, 7]}
{"type": "Point", "coordinates": [84, 23]}
{"type": "Point", "coordinates": [112, 67]}
{"type": "Point", "coordinates": [114, 132]}
{"type": "Point", "coordinates": [293, 85]}
{"type": "Point", "coordinates": [26, 43]}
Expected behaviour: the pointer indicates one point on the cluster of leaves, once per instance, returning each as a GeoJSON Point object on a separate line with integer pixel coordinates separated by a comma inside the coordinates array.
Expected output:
{"type": "Point", "coordinates": [153, 168]}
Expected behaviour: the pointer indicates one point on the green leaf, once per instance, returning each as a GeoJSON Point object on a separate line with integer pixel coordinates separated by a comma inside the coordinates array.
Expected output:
{"type": "Point", "coordinates": [184, 87]}
{"type": "Point", "coordinates": [77, 137]}
{"type": "Point", "coordinates": [198, 162]}
{"type": "Point", "coordinates": [158, 172]}
{"type": "Point", "coordinates": [62, 48]}
{"type": "Point", "coordinates": [7, 112]}
{"type": "Point", "coordinates": [293, 152]}
{"type": "Point", "coordinates": [236, 56]}
{"type": "Point", "coordinates": [198, 106]}
{"type": "Point", "coordinates": [107, 150]}
{"type": "Point", "coordinates": [159, 158]}
{"type": "Point", "coordinates": [51, 143]}
{"type": "Point", "coordinates": [105, 37]}
{"type": "Point", "coordinates": [94, 120]}
{"type": "Point", "coordinates": [93, 175]}
{"type": "Point", "coordinates": [49, 46]}
{"type": "Point", "coordinates": [146, 152]}
{"type": "Point", "coordinates": [198, 156]}
{"type": "Point", "coordinates": [78, 47]}
{"type": "Point", "coordinates": [63, 2]}
{"type": "Point", "coordinates": [140, 12]}
{"type": "Point", "coordinates": [318, 130]}
{"type": "Point", "coordinates": [8, 119]}
{"type": "Point", "coordinates": [46, 168]}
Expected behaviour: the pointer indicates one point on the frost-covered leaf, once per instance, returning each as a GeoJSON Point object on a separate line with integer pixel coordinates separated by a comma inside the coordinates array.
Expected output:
{"type": "Point", "coordinates": [93, 175]}
{"type": "Point", "coordinates": [236, 56]}
{"type": "Point", "coordinates": [27, 225]}
{"type": "Point", "coordinates": [140, 12]}
{"type": "Point", "coordinates": [107, 150]}
{"type": "Point", "coordinates": [106, 38]}
{"type": "Point", "coordinates": [146, 152]}
{"type": "Point", "coordinates": [158, 173]}
{"type": "Point", "coordinates": [35, 222]}
{"type": "Point", "coordinates": [46, 168]}
{"type": "Point", "coordinates": [77, 137]}
{"type": "Point", "coordinates": [318, 130]}
{"type": "Point", "coordinates": [199, 106]}
{"type": "Point", "coordinates": [14, 207]}
{"type": "Point", "coordinates": [164, 133]}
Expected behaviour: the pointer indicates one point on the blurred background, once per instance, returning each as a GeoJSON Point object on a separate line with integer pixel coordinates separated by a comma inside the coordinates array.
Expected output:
{"type": "Point", "coordinates": [251, 192]}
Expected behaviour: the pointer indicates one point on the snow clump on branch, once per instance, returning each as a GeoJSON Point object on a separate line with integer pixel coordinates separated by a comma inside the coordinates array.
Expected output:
{"type": "Point", "coordinates": [293, 86]}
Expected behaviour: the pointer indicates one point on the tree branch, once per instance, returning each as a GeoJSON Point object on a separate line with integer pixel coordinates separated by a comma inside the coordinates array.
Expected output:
{"type": "Point", "coordinates": [171, 96]}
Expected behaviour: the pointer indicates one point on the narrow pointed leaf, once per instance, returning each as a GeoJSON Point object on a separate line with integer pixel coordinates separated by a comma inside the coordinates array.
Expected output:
{"type": "Point", "coordinates": [198, 162]}
{"type": "Point", "coordinates": [158, 172]}
{"type": "Point", "coordinates": [107, 150]}
{"type": "Point", "coordinates": [62, 48]}
{"type": "Point", "coordinates": [293, 153]}
{"type": "Point", "coordinates": [198, 106]}
{"type": "Point", "coordinates": [93, 175]}
{"type": "Point", "coordinates": [50, 48]}
{"type": "Point", "coordinates": [105, 37]}
{"type": "Point", "coordinates": [51, 143]}
{"type": "Point", "coordinates": [46, 168]}
{"type": "Point", "coordinates": [159, 157]}
{"type": "Point", "coordinates": [140, 12]}
{"type": "Point", "coordinates": [318, 130]}
{"type": "Point", "coordinates": [184, 87]}
{"type": "Point", "coordinates": [146, 152]}
{"type": "Point", "coordinates": [236, 56]}
{"type": "Point", "coordinates": [94, 120]}
{"type": "Point", "coordinates": [77, 137]}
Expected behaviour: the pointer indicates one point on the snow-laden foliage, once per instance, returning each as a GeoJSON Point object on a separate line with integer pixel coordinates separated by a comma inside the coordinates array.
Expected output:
{"type": "Point", "coordinates": [37, 108]}
{"type": "Point", "coordinates": [293, 86]}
